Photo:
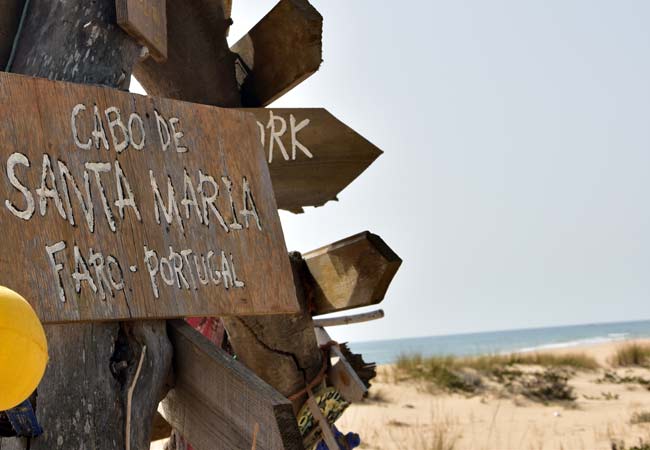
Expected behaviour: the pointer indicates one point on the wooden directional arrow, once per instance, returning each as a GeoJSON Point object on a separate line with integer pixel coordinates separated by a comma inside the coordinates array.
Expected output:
{"type": "Point", "coordinates": [217, 403]}
{"type": "Point", "coordinates": [312, 155]}
{"type": "Point", "coordinates": [282, 50]}
{"type": "Point", "coordinates": [351, 273]}
{"type": "Point", "coordinates": [278, 53]}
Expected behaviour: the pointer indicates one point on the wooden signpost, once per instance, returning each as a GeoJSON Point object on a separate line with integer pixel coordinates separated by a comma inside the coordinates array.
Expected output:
{"type": "Point", "coordinates": [312, 156]}
{"type": "Point", "coordinates": [146, 21]}
{"type": "Point", "coordinates": [118, 206]}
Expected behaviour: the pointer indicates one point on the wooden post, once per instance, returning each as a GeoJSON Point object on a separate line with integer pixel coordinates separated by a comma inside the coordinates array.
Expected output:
{"type": "Point", "coordinates": [81, 401]}
{"type": "Point", "coordinates": [280, 52]}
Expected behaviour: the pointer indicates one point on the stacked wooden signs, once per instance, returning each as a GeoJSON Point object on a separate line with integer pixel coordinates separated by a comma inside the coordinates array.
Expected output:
{"type": "Point", "coordinates": [117, 206]}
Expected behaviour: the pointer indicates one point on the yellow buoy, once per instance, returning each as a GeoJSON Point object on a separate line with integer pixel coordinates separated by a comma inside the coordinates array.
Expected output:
{"type": "Point", "coordinates": [23, 349]}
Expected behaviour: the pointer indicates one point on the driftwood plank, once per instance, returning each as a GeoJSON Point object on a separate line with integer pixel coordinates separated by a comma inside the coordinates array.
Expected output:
{"type": "Point", "coordinates": [351, 273]}
{"type": "Point", "coordinates": [199, 66]}
{"type": "Point", "coordinates": [150, 214]}
{"type": "Point", "coordinates": [278, 53]}
{"type": "Point", "coordinates": [146, 21]}
{"type": "Point", "coordinates": [341, 375]}
{"type": "Point", "coordinates": [217, 403]}
{"type": "Point", "coordinates": [312, 155]}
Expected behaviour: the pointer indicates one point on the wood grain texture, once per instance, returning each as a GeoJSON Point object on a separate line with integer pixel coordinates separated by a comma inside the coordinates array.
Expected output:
{"type": "Point", "coordinates": [312, 155]}
{"type": "Point", "coordinates": [280, 52]}
{"type": "Point", "coordinates": [63, 41]}
{"type": "Point", "coordinates": [280, 349]}
{"type": "Point", "coordinates": [9, 19]}
{"type": "Point", "coordinates": [199, 66]}
{"type": "Point", "coordinates": [217, 403]}
{"type": "Point", "coordinates": [36, 121]}
{"type": "Point", "coordinates": [146, 22]}
{"type": "Point", "coordinates": [341, 375]}
{"type": "Point", "coordinates": [351, 273]}
{"type": "Point", "coordinates": [81, 399]}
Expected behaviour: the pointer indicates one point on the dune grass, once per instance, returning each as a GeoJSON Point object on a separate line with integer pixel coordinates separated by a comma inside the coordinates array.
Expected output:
{"type": "Point", "coordinates": [640, 417]}
{"type": "Point", "coordinates": [455, 373]}
{"type": "Point", "coordinates": [632, 354]}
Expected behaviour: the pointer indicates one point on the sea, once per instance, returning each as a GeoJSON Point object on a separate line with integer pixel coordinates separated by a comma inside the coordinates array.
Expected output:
{"type": "Point", "coordinates": [494, 342]}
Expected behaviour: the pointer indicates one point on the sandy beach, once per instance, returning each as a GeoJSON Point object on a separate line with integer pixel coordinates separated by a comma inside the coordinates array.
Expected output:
{"type": "Point", "coordinates": [406, 415]}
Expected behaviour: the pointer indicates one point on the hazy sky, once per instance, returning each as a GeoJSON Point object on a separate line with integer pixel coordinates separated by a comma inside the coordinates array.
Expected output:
{"type": "Point", "coordinates": [515, 178]}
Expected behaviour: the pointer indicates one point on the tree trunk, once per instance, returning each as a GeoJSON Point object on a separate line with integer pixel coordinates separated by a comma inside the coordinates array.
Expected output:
{"type": "Point", "coordinates": [81, 401]}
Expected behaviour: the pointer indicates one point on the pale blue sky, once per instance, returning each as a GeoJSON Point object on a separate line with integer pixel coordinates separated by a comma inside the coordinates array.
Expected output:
{"type": "Point", "coordinates": [514, 182]}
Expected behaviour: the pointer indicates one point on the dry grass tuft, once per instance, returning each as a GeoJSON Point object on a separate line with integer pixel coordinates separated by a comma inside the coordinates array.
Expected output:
{"type": "Point", "coordinates": [640, 417]}
{"type": "Point", "coordinates": [440, 434]}
{"type": "Point", "coordinates": [464, 374]}
{"type": "Point", "coordinates": [632, 354]}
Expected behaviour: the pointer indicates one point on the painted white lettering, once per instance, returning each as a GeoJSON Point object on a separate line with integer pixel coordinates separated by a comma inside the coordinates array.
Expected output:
{"type": "Point", "coordinates": [208, 202]}
{"type": "Point", "coordinates": [178, 135]}
{"type": "Point", "coordinates": [171, 211]}
{"type": "Point", "coordinates": [133, 119]}
{"type": "Point", "coordinates": [85, 204]}
{"type": "Point", "coordinates": [189, 198]}
{"type": "Point", "coordinates": [163, 129]}
{"type": "Point", "coordinates": [115, 274]}
{"type": "Point", "coordinates": [96, 260]}
{"type": "Point", "coordinates": [27, 213]}
{"type": "Point", "coordinates": [276, 135]}
{"type": "Point", "coordinates": [116, 122]}
{"type": "Point", "coordinates": [56, 267]}
{"type": "Point", "coordinates": [97, 168]}
{"type": "Point", "coordinates": [46, 192]}
{"type": "Point", "coordinates": [81, 272]}
{"type": "Point", "coordinates": [249, 205]}
{"type": "Point", "coordinates": [295, 143]}
{"type": "Point", "coordinates": [123, 185]}
{"type": "Point", "coordinates": [98, 134]}
{"type": "Point", "coordinates": [152, 268]}
{"type": "Point", "coordinates": [235, 225]}
{"type": "Point", "coordinates": [75, 132]}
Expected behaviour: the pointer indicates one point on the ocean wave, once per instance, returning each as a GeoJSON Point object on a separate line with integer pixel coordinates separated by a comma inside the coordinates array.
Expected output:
{"type": "Point", "coordinates": [611, 337]}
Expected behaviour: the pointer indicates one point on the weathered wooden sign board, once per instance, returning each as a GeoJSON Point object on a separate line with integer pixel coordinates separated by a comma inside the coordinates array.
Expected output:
{"type": "Point", "coordinates": [146, 21]}
{"type": "Point", "coordinates": [312, 155]}
{"type": "Point", "coordinates": [119, 206]}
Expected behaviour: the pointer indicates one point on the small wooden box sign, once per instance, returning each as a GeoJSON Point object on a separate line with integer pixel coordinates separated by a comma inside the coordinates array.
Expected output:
{"type": "Point", "coordinates": [146, 21]}
{"type": "Point", "coordinates": [119, 206]}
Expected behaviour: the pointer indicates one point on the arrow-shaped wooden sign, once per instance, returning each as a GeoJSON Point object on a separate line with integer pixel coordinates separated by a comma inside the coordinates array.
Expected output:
{"type": "Point", "coordinates": [312, 155]}
{"type": "Point", "coordinates": [278, 53]}
{"type": "Point", "coordinates": [351, 273]}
